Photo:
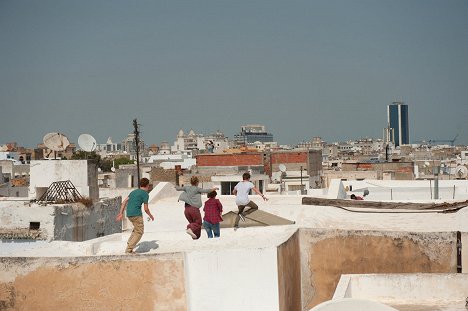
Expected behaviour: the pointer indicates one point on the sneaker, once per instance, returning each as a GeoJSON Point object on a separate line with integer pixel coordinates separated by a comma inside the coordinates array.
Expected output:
{"type": "Point", "coordinates": [242, 217]}
{"type": "Point", "coordinates": [130, 252]}
{"type": "Point", "coordinates": [190, 232]}
{"type": "Point", "coordinates": [236, 228]}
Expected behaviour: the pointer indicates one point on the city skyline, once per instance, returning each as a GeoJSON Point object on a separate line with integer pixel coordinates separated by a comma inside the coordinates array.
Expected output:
{"type": "Point", "coordinates": [302, 69]}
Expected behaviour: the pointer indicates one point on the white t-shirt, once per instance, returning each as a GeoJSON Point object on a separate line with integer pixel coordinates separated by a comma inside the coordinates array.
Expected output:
{"type": "Point", "coordinates": [243, 188]}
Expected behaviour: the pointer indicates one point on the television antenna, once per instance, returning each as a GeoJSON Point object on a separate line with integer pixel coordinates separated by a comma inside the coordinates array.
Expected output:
{"type": "Point", "coordinates": [87, 142]}
{"type": "Point", "coordinates": [56, 142]}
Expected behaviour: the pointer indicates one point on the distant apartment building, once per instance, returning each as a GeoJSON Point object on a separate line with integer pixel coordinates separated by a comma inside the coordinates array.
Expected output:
{"type": "Point", "coordinates": [316, 144]}
{"type": "Point", "coordinates": [195, 141]}
{"type": "Point", "coordinates": [369, 146]}
{"type": "Point", "coordinates": [398, 124]}
{"type": "Point", "coordinates": [129, 146]}
{"type": "Point", "coordinates": [252, 133]}
{"type": "Point", "coordinates": [109, 147]}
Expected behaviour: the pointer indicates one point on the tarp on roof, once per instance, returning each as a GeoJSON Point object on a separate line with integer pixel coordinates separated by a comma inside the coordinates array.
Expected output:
{"type": "Point", "coordinates": [257, 218]}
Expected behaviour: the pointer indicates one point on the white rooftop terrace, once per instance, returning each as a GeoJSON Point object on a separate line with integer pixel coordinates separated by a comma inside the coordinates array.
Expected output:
{"type": "Point", "coordinates": [167, 233]}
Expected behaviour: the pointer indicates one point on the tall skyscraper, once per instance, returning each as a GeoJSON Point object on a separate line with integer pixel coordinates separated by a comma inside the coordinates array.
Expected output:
{"type": "Point", "coordinates": [398, 123]}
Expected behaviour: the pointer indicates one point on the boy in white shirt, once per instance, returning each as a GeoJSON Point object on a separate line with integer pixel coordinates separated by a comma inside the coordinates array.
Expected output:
{"type": "Point", "coordinates": [241, 190]}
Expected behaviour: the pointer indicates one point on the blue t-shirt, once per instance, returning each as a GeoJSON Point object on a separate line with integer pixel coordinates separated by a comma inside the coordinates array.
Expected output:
{"type": "Point", "coordinates": [135, 199]}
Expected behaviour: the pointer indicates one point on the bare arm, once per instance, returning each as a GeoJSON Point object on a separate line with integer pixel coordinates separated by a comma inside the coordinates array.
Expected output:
{"type": "Point", "coordinates": [259, 193]}
{"type": "Point", "coordinates": [147, 211]}
{"type": "Point", "coordinates": [122, 208]}
{"type": "Point", "coordinates": [201, 190]}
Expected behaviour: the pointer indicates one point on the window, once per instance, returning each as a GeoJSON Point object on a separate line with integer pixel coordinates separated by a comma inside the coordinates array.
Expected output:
{"type": "Point", "coordinates": [34, 225]}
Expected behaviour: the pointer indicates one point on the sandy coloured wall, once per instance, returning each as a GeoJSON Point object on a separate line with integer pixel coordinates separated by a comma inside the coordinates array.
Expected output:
{"type": "Point", "coordinates": [289, 274]}
{"type": "Point", "coordinates": [326, 254]}
{"type": "Point", "coordinates": [141, 282]}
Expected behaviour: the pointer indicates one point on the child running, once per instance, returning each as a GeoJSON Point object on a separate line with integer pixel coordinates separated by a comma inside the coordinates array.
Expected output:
{"type": "Point", "coordinates": [241, 191]}
{"type": "Point", "coordinates": [133, 204]}
{"type": "Point", "coordinates": [191, 195]}
{"type": "Point", "coordinates": [213, 210]}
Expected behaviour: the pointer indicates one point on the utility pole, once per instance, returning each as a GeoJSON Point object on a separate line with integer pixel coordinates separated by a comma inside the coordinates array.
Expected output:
{"type": "Point", "coordinates": [136, 131]}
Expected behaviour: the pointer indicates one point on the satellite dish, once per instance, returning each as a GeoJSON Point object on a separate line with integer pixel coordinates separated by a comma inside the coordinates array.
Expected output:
{"type": "Point", "coordinates": [426, 164]}
{"type": "Point", "coordinates": [113, 169]}
{"type": "Point", "coordinates": [282, 168]}
{"type": "Point", "coordinates": [56, 141]}
{"type": "Point", "coordinates": [87, 142]}
{"type": "Point", "coordinates": [461, 171]}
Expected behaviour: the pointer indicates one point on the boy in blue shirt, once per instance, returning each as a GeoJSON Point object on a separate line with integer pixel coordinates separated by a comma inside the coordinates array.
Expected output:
{"type": "Point", "coordinates": [133, 204]}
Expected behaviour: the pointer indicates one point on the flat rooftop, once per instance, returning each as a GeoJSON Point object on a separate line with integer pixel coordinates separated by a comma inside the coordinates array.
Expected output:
{"type": "Point", "coordinates": [167, 233]}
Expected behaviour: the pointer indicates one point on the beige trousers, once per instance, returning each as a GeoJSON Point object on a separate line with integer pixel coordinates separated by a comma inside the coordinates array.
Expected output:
{"type": "Point", "coordinates": [137, 233]}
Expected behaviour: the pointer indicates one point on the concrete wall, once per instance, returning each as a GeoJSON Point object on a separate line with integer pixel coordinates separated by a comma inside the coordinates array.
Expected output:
{"type": "Point", "coordinates": [423, 288]}
{"type": "Point", "coordinates": [326, 254]}
{"type": "Point", "coordinates": [80, 223]}
{"type": "Point", "coordinates": [15, 219]}
{"type": "Point", "coordinates": [232, 279]}
{"type": "Point", "coordinates": [328, 176]}
{"type": "Point", "coordinates": [70, 222]}
{"type": "Point", "coordinates": [82, 173]}
{"type": "Point", "coordinates": [146, 282]}
{"type": "Point", "coordinates": [289, 274]}
{"type": "Point", "coordinates": [18, 192]}
{"type": "Point", "coordinates": [401, 170]}
{"type": "Point", "coordinates": [410, 190]}
{"type": "Point", "coordinates": [125, 176]}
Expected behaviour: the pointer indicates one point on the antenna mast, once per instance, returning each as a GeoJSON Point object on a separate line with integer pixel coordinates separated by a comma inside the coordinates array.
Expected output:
{"type": "Point", "coordinates": [137, 148]}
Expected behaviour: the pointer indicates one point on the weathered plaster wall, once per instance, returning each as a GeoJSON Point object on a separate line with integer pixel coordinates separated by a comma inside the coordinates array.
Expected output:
{"type": "Point", "coordinates": [418, 288]}
{"type": "Point", "coordinates": [82, 173]}
{"type": "Point", "coordinates": [13, 217]}
{"type": "Point", "coordinates": [289, 274]}
{"type": "Point", "coordinates": [60, 222]}
{"type": "Point", "coordinates": [143, 282]}
{"type": "Point", "coordinates": [80, 223]}
{"type": "Point", "coordinates": [326, 254]}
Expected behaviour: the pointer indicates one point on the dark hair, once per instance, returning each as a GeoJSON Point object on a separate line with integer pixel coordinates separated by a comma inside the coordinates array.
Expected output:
{"type": "Point", "coordinates": [144, 182]}
{"type": "Point", "coordinates": [246, 176]}
{"type": "Point", "coordinates": [212, 194]}
{"type": "Point", "coordinates": [353, 197]}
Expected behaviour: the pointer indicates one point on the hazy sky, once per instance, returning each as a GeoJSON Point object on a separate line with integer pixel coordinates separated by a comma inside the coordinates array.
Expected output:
{"type": "Point", "coordinates": [302, 68]}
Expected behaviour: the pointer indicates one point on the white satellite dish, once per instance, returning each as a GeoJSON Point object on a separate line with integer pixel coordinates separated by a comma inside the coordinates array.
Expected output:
{"type": "Point", "coordinates": [461, 171]}
{"type": "Point", "coordinates": [282, 168]}
{"type": "Point", "coordinates": [56, 141]}
{"type": "Point", "coordinates": [87, 142]}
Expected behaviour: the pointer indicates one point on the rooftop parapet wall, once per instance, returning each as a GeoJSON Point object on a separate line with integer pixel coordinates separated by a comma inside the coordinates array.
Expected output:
{"type": "Point", "coordinates": [80, 223]}
{"type": "Point", "coordinates": [143, 282]}
{"type": "Point", "coordinates": [69, 222]}
{"type": "Point", "coordinates": [289, 274]}
{"type": "Point", "coordinates": [326, 254]}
